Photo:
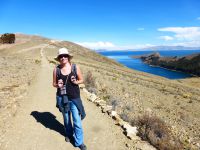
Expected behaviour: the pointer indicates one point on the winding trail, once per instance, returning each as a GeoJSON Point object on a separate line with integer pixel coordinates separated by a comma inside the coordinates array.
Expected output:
{"type": "Point", "coordinates": [38, 124]}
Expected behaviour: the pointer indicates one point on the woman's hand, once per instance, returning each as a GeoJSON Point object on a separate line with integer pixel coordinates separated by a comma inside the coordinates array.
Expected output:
{"type": "Point", "coordinates": [60, 83]}
{"type": "Point", "coordinates": [73, 80]}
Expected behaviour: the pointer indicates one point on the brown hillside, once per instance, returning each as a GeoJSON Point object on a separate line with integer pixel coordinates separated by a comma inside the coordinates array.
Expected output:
{"type": "Point", "coordinates": [133, 93]}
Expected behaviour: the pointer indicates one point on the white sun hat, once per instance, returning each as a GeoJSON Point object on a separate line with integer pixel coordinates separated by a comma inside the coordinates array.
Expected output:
{"type": "Point", "coordinates": [63, 51]}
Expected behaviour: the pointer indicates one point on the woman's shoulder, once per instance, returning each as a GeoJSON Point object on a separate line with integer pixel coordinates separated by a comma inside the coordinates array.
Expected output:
{"type": "Point", "coordinates": [75, 65]}
{"type": "Point", "coordinates": [56, 68]}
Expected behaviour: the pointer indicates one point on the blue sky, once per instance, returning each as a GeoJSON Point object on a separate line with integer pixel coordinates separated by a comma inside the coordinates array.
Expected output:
{"type": "Point", "coordinates": [106, 24]}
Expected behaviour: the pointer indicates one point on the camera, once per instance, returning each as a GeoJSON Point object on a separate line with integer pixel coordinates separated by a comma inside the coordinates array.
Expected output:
{"type": "Point", "coordinates": [63, 90]}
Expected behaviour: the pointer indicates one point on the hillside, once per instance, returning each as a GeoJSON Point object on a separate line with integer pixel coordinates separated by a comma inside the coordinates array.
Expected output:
{"type": "Point", "coordinates": [189, 64]}
{"type": "Point", "coordinates": [132, 93]}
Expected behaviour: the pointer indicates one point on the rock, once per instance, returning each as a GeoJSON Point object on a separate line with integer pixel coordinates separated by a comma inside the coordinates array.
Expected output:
{"type": "Point", "coordinates": [113, 114]}
{"type": "Point", "coordinates": [119, 121]}
{"type": "Point", "coordinates": [127, 145]}
{"type": "Point", "coordinates": [142, 145]}
{"type": "Point", "coordinates": [126, 95]}
{"type": "Point", "coordinates": [100, 102]}
{"type": "Point", "coordinates": [81, 86]}
{"type": "Point", "coordinates": [86, 91]}
{"type": "Point", "coordinates": [106, 108]}
{"type": "Point", "coordinates": [92, 97]}
{"type": "Point", "coordinates": [198, 145]}
{"type": "Point", "coordinates": [117, 118]}
{"type": "Point", "coordinates": [130, 131]}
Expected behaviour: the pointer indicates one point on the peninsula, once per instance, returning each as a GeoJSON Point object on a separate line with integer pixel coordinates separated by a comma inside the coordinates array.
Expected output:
{"type": "Point", "coordinates": [188, 64]}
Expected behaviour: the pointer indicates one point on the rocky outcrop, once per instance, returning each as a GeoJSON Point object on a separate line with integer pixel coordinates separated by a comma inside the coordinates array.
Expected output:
{"type": "Point", "coordinates": [7, 38]}
{"type": "Point", "coordinates": [189, 64]}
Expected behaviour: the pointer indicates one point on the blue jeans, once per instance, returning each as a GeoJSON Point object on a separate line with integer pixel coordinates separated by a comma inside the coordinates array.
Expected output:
{"type": "Point", "coordinates": [76, 129]}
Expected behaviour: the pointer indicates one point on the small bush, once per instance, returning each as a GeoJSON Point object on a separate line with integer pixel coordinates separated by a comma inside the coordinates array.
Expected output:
{"type": "Point", "coordinates": [92, 90]}
{"type": "Point", "coordinates": [155, 131]}
{"type": "Point", "coordinates": [104, 90]}
{"type": "Point", "coordinates": [106, 97]}
{"type": "Point", "coordinates": [114, 102]}
{"type": "Point", "coordinates": [125, 116]}
{"type": "Point", "coordinates": [52, 62]}
{"type": "Point", "coordinates": [90, 80]}
{"type": "Point", "coordinates": [123, 89]}
{"type": "Point", "coordinates": [114, 79]}
{"type": "Point", "coordinates": [37, 61]}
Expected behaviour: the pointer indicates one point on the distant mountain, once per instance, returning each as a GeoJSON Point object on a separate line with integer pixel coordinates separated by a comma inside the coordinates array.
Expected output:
{"type": "Point", "coordinates": [155, 48]}
{"type": "Point", "coordinates": [171, 48]}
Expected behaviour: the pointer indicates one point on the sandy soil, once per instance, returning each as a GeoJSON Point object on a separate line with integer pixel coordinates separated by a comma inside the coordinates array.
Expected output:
{"type": "Point", "coordinates": [24, 68]}
{"type": "Point", "coordinates": [38, 123]}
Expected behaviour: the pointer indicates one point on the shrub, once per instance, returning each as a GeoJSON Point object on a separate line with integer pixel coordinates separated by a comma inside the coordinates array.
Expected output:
{"type": "Point", "coordinates": [37, 61]}
{"type": "Point", "coordinates": [155, 131]}
{"type": "Point", "coordinates": [52, 62]}
{"type": "Point", "coordinates": [114, 102]}
{"type": "Point", "coordinates": [123, 90]}
{"type": "Point", "coordinates": [125, 116]}
{"type": "Point", "coordinates": [92, 90]}
{"type": "Point", "coordinates": [90, 81]}
{"type": "Point", "coordinates": [106, 97]}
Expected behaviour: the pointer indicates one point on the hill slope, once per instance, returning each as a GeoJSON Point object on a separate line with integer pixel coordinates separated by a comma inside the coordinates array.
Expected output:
{"type": "Point", "coordinates": [131, 92]}
{"type": "Point", "coordinates": [189, 64]}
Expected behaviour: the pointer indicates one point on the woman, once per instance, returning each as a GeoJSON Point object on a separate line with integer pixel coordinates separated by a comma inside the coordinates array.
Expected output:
{"type": "Point", "coordinates": [66, 77]}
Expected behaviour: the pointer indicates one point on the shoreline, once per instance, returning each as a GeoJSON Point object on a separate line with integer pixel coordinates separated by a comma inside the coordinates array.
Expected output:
{"type": "Point", "coordinates": [175, 74]}
{"type": "Point", "coordinates": [184, 64]}
{"type": "Point", "coordinates": [192, 75]}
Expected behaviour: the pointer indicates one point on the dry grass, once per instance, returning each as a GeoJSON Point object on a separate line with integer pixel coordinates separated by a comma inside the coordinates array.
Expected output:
{"type": "Point", "coordinates": [114, 80]}
{"type": "Point", "coordinates": [114, 102]}
{"type": "Point", "coordinates": [90, 82]}
{"type": "Point", "coordinates": [38, 61]}
{"type": "Point", "coordinates": [52, 62]}
{"type": "Point", "coordinates": [125, 116]}
{"type": "Point", "coordinates": [157, 132]}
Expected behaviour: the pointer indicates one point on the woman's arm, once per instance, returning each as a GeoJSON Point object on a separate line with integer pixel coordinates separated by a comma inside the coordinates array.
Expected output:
{"type": "Point", "coordinates": [54, 79]}
{"type": "Point", "coordinates": [80, 76]}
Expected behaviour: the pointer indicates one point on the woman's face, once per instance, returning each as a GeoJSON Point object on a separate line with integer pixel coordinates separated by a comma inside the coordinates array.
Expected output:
{"type": "Point", "coordinates": [63, 59]}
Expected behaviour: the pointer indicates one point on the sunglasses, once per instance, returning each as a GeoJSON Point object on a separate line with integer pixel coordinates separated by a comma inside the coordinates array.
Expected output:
{"type": "Point", "coordinates": [61, 56]}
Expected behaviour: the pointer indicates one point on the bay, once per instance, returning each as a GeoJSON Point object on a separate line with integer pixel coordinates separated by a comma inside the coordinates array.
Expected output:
{"type": "Point", "coordinates": [124, 58]}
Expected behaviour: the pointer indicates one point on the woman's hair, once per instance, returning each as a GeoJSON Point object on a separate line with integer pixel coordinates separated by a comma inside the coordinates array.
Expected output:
{"type": "Point", "coordinates": [69, 59]}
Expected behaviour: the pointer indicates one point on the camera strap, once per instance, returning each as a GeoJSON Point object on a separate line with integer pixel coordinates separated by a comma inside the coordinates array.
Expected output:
{"type": "Point", "coordinates": [66, 79]}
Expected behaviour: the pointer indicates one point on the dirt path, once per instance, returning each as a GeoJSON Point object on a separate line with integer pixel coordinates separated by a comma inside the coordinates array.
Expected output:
{"type": "Point", "coordinates": [38, 125]}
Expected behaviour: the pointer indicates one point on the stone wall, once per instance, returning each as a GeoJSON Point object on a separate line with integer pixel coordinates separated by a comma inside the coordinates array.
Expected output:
{"type": "Point", "coordinates": [128, 130]}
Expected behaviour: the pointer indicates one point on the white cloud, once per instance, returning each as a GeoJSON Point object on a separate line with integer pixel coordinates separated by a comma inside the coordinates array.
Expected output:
{"type": "Point", "coordinates": [183, 33]}
{"type": "Point", "coordinates": [140, 29]}
{"type": "Point", "coordinates": [111, 46]}
{"type": "Point", "coordinates": [198, 18]}
{"type": "Point", "coordinates": [55, 41]}
{"type": "Point", "coordinates": [166, 38]}
{"type": "Point", "coordinates": [97, 45]}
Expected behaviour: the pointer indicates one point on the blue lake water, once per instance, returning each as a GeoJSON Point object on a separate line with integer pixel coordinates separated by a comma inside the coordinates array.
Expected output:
{"type": "Point", "coordinates": [124, 58]}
